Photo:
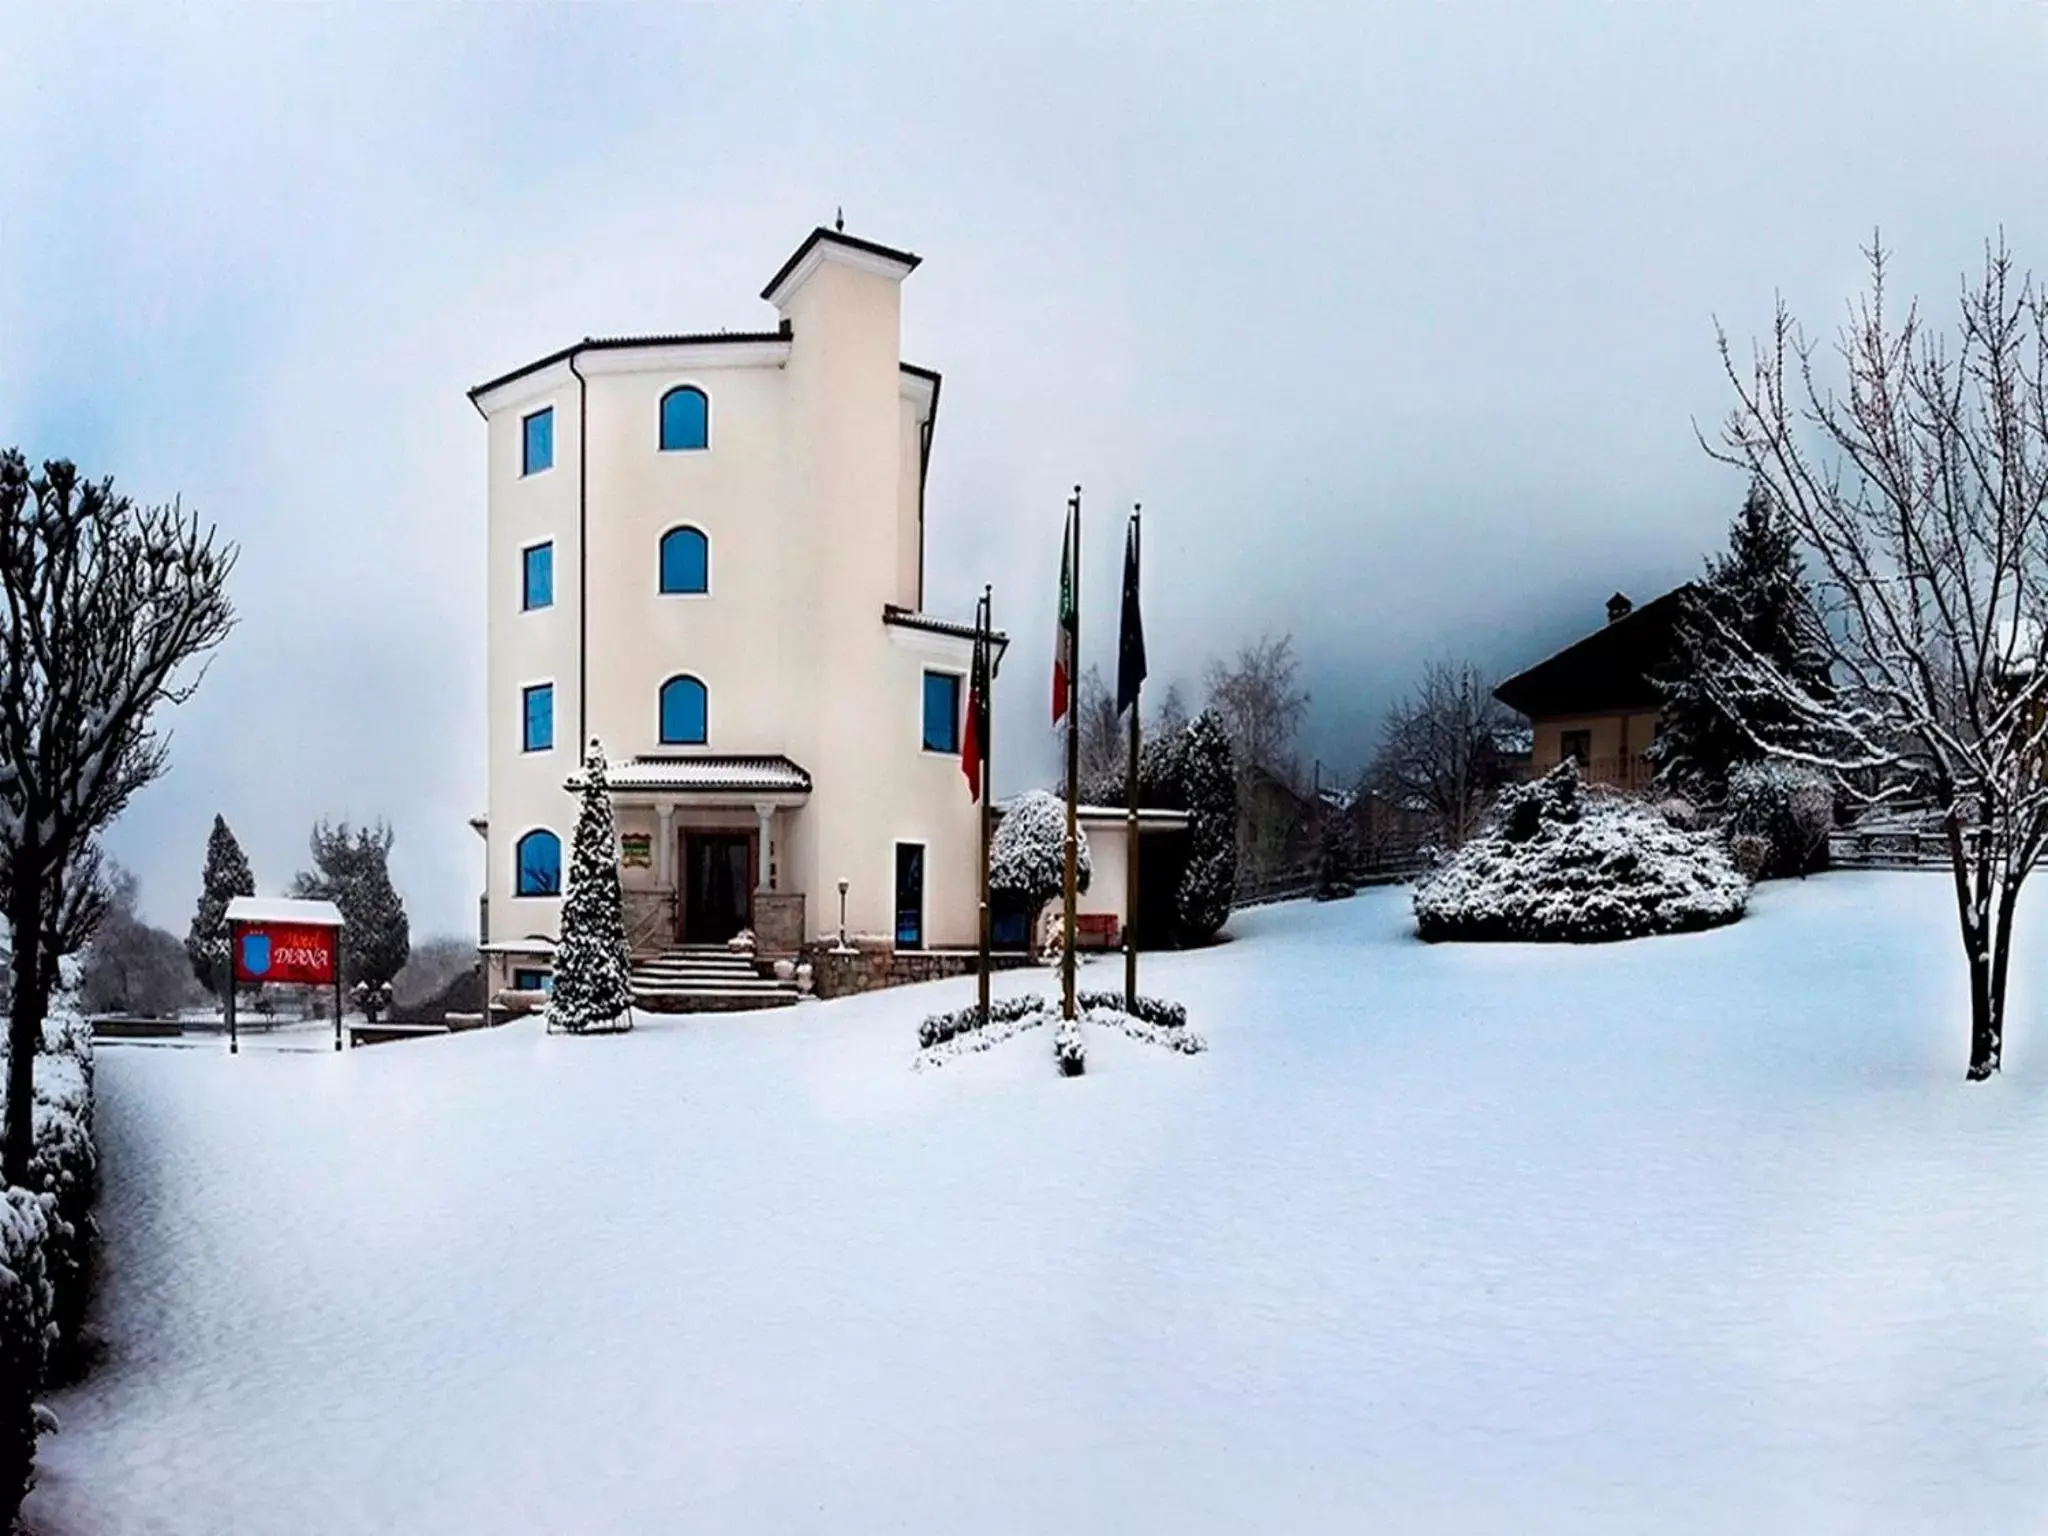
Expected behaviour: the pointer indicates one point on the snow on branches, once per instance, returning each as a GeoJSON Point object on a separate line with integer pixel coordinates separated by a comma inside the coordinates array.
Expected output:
{"type": "Point", "coordinates": [593, 970]}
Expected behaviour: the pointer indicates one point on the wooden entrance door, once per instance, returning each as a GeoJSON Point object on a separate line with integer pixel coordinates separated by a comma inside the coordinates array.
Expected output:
{"type": "Point", "coordinates": [718, 885]}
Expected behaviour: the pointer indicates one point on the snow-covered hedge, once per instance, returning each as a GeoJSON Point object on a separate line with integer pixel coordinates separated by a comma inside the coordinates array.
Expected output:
{"type": "Point", "coordinates": [46, 1239]}
{"type": "Point", "coordinates": [1561, 862]}
{"type": "Point", "coordinates": [1157, 1022]}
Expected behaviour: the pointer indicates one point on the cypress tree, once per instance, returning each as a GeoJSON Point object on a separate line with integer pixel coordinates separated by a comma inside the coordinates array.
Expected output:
{"type": "Point", "coordinates": [226, 876]}
{"type": "Point", "coordinates": [593, 972]}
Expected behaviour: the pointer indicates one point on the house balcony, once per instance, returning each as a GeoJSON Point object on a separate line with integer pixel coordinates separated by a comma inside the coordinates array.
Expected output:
{"type": "Point", "coordinates": [1632, 772]}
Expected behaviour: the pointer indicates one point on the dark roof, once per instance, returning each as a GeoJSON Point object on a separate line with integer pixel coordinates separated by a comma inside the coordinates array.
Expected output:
{"type": "Point", "coordinates": [835, 237]}
{"type": "Point", "coordinates": [904, 618]}
{"type": "Point", "coordinates": [1606, 672]}
{"type": "Point", "coordinates": [623, 343]}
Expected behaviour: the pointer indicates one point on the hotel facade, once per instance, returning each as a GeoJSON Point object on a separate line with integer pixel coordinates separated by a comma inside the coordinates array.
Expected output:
{"type": "Point", "coordinates": [707, 552]}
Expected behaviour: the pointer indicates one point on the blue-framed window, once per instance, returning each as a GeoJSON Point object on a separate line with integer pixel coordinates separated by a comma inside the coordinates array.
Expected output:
{"type": "Point", "coordinates": [685, 420]}
{"type": "Point", "coordinates": [537, 577]}
{"type": "Point", "coordinates": [537, 718]}
{"type": "Point", "coordinates": [538, 858]}
{"type": "Point", "coordinates": [942, 712]}
{"type": "Point", "coordinates": [529, 979]}
{"type": "Point", "coordinates": [537, 442]}
{"type": "Point", "coordinates": [685, 561]}
{"type": "Point", "coordinates": [683, 712]}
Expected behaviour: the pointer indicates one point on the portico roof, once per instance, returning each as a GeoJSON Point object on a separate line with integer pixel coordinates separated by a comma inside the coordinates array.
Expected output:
{"type": "Point", "coordinates": [705, 773]}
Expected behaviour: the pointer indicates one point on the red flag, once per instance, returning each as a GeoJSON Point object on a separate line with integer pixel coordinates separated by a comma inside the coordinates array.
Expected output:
{"type": "Point", "coordinates": [1063, 658]}
{"type": "Point", "coordinates": [971, 754]}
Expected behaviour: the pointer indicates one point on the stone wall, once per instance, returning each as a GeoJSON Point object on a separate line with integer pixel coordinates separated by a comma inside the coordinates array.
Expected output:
{"type": "Point", "coordinates": [650, 920]}
{"type": "Point", "coordinates": [778, 923]}
{"type": "Point", "coordinates": [876, 962]}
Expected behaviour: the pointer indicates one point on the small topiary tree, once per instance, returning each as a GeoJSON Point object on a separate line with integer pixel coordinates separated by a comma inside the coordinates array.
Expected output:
{"type": "Point", "coordinates": [593, 969]}
{"type": "Point", "coordinates": [1027, 859]}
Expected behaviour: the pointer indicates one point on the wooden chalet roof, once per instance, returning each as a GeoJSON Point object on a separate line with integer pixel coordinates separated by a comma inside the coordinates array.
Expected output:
{"type": "Point", "coordinates": [1605, 673]}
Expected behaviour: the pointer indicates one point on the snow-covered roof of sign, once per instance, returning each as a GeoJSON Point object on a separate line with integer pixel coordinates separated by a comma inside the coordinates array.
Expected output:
{"type": "Point", "coordinates": [706, 773]}
{"type": "Point", "coordinates": [278, 909]}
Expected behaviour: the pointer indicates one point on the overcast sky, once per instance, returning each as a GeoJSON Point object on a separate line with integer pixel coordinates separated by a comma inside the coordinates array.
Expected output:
{"type": "Point", "coordinates": [1397, 318]}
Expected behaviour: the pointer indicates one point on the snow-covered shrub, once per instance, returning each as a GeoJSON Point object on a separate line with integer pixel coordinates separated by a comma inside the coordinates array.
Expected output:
{"type": "Point", "coordinates": [1561, 862]}
{"type": "Point", "coordinates": [1682, 813]}
{"type": "Point", "coordinates": [1209, 791]}
{"type": "Point", "coordinates": [593, 967]}
{"type": "Point", "coordinates": [1157, 1022]}
{"type": "Point", "coordinates": [1069, 1050]}
{"type": "Point", "coordinates": [1027, 858]}
{"type": "Point", "coordinates": [1750, 853]}
{"type": "Point", "coordinates": [1790, 807]}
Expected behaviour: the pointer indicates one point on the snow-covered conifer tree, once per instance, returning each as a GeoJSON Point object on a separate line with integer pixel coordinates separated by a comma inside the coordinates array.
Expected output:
{"type": "Point", "coordinates": [227, 876]}
{"type": "Point", "coordinates": [1209, 788]}
{"type": "Point", "coordinates": [593, 972]}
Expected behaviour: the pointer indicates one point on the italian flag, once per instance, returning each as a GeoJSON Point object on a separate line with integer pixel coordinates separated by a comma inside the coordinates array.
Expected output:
{"type": "Point", "coordinates": [1063, 659]}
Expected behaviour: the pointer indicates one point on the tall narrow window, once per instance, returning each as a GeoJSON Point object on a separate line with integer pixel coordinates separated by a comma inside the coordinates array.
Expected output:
{"type": "Point", "coordinates": [685, 420]}
{"type": "Point", "coordinates": [537, 577]}
{"type": "Point", "coordinates": [683, 710]}
{"type": "Point", "coordinates": [538, 718]}
{"type": "Point", "coordinates": [538, 858]}
{"type": "Point", "coordinates": [910, 895]}
{"type": "Point", "coordinates": [942, 712]}
{"type": "Point", "coordinates": [685, 561]}
{"type": "Point", "coordinates": [537, 442]}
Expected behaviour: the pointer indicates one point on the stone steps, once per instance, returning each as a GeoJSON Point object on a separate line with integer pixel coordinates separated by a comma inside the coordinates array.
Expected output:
{"type": "Point", "coordinates": [706, 979]}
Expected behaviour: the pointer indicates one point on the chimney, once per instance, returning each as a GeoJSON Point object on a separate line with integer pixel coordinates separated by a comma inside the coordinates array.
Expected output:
{"type": "Point", "coordinates": [1619, 607]}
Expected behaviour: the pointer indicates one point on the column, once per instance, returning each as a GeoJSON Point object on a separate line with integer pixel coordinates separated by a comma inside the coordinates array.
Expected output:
{"type": "Point", "coordinates": [765, 815]}
{"type": "Point", "coordinates": [665, 852]}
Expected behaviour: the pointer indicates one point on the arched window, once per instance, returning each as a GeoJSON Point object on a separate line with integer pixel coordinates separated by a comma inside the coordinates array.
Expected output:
{"type": "Point", "coordinates": [685, 561]}
{"type": "Point", "coordinates": [538, 856]}
{"type": "Point", "coordinates": [685, 419]}
{"type": "Point", "coordinates": [683, 711]}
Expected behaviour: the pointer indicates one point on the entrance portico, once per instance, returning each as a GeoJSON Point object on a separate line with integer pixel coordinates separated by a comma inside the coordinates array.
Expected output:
{"type": "Point", "coordinates": [701, 845]}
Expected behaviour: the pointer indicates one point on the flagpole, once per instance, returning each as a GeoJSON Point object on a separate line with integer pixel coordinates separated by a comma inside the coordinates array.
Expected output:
{"type": "Point", "coordinates": [1131, 804]}
{"type": "Point", "coordinates": [983, 714]}
{"type": "Point", "coordinates": [1073, 768]}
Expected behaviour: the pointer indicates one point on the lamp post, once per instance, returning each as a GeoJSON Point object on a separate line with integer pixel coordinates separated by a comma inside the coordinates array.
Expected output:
{"type": "Point", "coordinates": [843, 882]}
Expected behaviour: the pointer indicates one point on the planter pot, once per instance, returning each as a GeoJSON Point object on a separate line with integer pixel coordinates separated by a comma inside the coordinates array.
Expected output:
{"type": "Point", "coordinates": [785, 969]}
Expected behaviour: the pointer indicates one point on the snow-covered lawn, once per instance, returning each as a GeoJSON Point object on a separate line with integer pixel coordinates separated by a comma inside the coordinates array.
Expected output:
{"type": "Point", "coordinates": [1696, 1233]}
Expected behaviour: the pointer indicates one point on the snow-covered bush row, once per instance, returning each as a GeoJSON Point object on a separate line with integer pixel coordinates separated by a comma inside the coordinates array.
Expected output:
{"type": "Point", "coordinates": [46, 1239]}
{"type": "Point", "coordinates": [941, 1027]}
{"type": "Point", "coordinates": [1153, 1010]}
{"type": "Point", "coordinates": [1106, 1012]}
{"type": "Point", "coordinates": [1007, 1019]}
{"type": "Point", "coordinates": [1788, 809]}
{"type": "Point", "coordinates": [1560, 862]}
{"type": "Point", "coordinates": [1069, 1050]}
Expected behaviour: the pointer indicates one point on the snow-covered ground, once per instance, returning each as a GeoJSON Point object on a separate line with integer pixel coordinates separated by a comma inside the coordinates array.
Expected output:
{"type": "Point", "coordinates": [1699, 1233]}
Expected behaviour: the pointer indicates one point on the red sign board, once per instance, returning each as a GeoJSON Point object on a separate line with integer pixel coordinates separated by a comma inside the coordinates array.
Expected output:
{"type": "Point", "coordinates": [294, 952]}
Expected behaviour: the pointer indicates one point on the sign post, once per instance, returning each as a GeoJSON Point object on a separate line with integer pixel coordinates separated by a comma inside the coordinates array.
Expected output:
{"type": "Point", "coordinates": [284, 941]}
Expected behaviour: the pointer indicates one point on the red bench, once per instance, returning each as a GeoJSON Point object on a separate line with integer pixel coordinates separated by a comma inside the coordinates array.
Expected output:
{"type": "Point", "coordinates": [1096, 930]}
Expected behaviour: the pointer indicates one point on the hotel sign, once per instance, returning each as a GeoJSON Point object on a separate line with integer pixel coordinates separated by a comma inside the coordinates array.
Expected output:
{"type": "Point", "coordinates": [286, 952]}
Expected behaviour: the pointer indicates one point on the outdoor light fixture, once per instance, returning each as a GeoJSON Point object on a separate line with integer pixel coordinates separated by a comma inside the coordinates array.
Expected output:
{"type": "Point", "coordinates": [842, 911]}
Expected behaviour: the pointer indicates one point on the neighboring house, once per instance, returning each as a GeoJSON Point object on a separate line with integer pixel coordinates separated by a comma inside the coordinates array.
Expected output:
{"type": "Point", "coordinates": [708, 552]}
{"type": "Point", "coordinates": [1276, 824]}
{"type": "Point", "coordinates": [1595, 699]}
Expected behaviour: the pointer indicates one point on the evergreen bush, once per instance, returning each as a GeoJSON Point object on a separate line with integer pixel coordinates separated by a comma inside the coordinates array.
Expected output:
{"type": "Point", "coordinates": [593, 966]}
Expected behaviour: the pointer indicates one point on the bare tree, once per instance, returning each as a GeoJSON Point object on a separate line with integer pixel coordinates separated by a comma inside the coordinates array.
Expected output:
{"type": "Point", "coordinates": [1922, 496]}
{"type": "Point", "coordinates": [1440, 750]}
{"type": "Point", "coordinates": [1103, 739]}
{"type": "Point", "coordinates": [1169, 715]}
{"type": "Point", "coordinates": [1261, 703]}
{"type": "Point", "coordinates": [105, 605]}
{"type": "Point", "coordinates": [130, 966]}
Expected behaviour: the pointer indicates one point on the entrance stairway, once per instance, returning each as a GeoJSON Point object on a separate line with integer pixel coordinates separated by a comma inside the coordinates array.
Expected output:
{"type": "Point", "coordinates": [706, 978]}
